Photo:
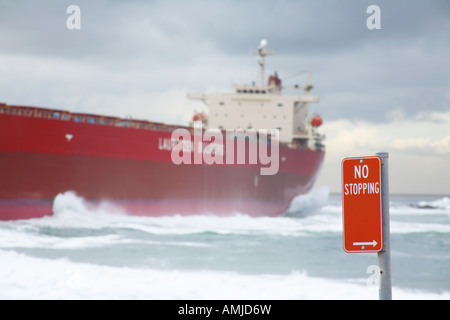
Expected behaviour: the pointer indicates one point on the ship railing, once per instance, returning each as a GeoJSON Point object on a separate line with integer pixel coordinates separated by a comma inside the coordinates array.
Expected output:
{"type": "Point", "coordinates": [62, 115]}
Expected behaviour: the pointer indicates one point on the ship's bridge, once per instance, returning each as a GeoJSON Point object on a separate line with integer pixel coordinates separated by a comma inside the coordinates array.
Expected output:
{"type": "Point", "coordinates": [273, 86]}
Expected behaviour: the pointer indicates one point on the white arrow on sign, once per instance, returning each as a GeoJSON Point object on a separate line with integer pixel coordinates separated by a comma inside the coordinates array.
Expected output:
{"type": "Point", "coordinates": [374, 243]}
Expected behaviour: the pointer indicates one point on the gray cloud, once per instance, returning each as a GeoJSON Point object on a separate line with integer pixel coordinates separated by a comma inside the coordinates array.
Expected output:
{"type": "Point", "coordinates": [158, 45]}
{"type": "Point", "coordinates": [314, 27]}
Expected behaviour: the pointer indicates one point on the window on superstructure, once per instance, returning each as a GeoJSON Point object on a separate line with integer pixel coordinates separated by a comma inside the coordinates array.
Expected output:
{"type": "Point", "coordinates": [280, 105]}
{"type": "Point", "coordinates": [221, 103]}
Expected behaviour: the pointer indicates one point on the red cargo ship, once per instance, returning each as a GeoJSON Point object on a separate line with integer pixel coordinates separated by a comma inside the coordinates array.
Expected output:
{"type": "Point", "coordinates": [45, 152]}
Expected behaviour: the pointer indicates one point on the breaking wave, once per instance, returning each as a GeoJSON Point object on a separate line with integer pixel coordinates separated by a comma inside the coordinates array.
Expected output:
{"type": "Point", "coordinates": [310, 213]}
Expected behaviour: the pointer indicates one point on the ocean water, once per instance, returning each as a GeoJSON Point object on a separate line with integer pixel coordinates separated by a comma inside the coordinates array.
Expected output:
{"type": "Point", "coordinates": [81, 253]}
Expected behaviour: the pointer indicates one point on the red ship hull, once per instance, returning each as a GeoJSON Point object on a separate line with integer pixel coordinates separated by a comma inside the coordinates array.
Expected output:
{"type": "Point", "coordinates": [41, 157]}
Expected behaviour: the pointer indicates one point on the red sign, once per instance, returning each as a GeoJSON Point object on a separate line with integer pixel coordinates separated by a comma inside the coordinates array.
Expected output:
{"type": "Point", "coordinates": [361, 204]}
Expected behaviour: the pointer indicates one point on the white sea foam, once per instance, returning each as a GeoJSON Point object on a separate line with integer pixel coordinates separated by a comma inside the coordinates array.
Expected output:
{"type": "Point", "coordinates": [439, 206]}
{"type": "Point", "coordinates": [309, 203]}
{"type": "Point", "coordinates": [442, 203]}
{"type": "Point", "coordinates": [16, 239]}
{"type": "Point", "coordinates": [71, 211]}
{"type": "Point", "coordinates": [76, 226]}
{"type": "Point", "coordinates": [308, 214]}
{"type": "Point", "coordinates": [63, 279]}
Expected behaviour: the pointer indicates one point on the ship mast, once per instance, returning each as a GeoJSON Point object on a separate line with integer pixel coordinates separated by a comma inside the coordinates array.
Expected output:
{"type": "Point", "coordinates": [262, 52]}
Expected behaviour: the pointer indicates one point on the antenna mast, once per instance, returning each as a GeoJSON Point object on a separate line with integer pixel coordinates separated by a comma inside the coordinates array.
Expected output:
{"type": "Point", "coordinates": [262, 52]}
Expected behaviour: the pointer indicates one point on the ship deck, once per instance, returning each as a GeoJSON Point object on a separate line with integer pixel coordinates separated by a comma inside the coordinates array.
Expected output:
{"type": "Point", "coordinates": [62, 115]}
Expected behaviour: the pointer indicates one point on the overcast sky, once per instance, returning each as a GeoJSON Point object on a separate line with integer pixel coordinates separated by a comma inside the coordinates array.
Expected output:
{"type": "Point", "coordinates": [386, 89]}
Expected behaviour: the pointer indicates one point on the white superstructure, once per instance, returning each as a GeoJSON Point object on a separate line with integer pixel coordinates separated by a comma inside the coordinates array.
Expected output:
{"type": "Point", "coordinates": [264, 107]}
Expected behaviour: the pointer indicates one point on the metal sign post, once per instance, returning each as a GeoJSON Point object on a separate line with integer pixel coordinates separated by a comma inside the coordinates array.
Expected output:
{"type": "Point", "coordinates": [384, 256]}
{"type": "Point", "coordinates": [365, 212]}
